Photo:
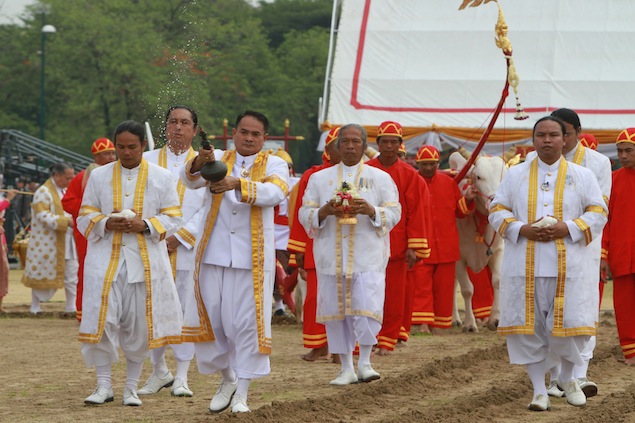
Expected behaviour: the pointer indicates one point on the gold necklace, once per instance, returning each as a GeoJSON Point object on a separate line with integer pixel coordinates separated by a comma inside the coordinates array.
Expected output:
{"type": "Point", "coordinates": [243, 171]}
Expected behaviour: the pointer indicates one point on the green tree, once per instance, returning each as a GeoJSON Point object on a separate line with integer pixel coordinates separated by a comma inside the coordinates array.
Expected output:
{"type": "Point", "coordinates": [283, 16]}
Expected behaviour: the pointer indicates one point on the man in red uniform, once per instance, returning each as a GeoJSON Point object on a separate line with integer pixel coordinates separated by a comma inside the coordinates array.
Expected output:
{"type": "Point", "coordinates": [313, 333]}
{"type": "Point", "coordinates": [434, 294]}
{"type": "Point", "coordinates": [408, 238]}
{"type": "Point", "coordinates": [103, 152]}
{"type": "Point", "coordinates": [589, 141]}
{"type": "Point", "coordinates": [618, 243]}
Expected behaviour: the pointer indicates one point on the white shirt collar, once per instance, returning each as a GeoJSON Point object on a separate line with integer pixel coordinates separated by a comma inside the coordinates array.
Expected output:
{"type": "Point", "coordinates": [548, 168]}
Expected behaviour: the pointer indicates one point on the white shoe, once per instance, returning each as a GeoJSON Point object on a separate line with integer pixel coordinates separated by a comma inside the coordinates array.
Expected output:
{"type": "Point", "coordinates": [554, 390]}
{"type": "Point", "coordinates": [540, 402]}
{"type": "Point", "coordinates": [366, 373]}
{"type": "Point", "coordinates": [239, 404]}
{"type": "Point", "coordinates": [180, 389]}
{"type": "Point", "coordinates": [223, 396]}
{"type": "Point", "coordinates": [574, 394]}
{"type": "Point", "coordinates": [344, 378]}
{"type": "Point", "coordinates": [99, 396]}
{"type": "Point", "coordinates": [589, 388]}
{"type": "Point", "coordinates": [130, 398]}
{"type": "Point", "coordinates": [155, 384]}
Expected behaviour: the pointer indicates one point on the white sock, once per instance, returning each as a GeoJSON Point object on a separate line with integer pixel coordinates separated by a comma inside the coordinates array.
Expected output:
{"type": "Point", "coordinates": [181, 370]}
{"type": "Point", "coordinates": [580, 372]}
{"type": "Point", "coordinates": [104, 376]}
{"type": "Point", "coordinates": [347, 362]}
{"type": "Point", "coordinates": [228, 375]}
{"type": "Point", "coordinates": [133, 373]}
{"type": "Point", "coordinates": [35, 303]}
{"type": "Point", "coordinates": [278, 305]}
{"type": "Point", "coordinates": [364, 355]}
{"type": "Point", "coordinates": [566, 372]}
{"type": "Point", "coordinates": [536, 372]}
{"type": "Point", "coordinates": [554, 372]}
{"type": "Point", "coordinates": [159, 367]}
{"type": "Point", "coordinates": [243, 387]}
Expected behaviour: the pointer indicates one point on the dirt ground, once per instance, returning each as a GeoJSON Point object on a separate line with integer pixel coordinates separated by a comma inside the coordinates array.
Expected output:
{"type": "Point", "coordinates": [455, 377]}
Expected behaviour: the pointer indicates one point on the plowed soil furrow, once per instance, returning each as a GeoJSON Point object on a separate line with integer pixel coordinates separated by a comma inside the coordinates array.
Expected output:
{"type": "Point", "coordinates": [451, 378]}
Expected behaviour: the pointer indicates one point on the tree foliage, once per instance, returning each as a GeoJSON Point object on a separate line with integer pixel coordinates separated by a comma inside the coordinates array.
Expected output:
{"type": "Point", "coordinates": [131, 59]}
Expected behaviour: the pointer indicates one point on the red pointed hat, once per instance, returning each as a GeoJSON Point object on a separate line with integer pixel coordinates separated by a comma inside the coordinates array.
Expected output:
{"type": "Point", "coordinates": [390, 128]}
{"type": "Point", "coordinates": [102, 144]}
{"type": "Point", "coordinates": [627, 135]}
{"type": "Point", "coordinates": [402, 148]}
{"type": "Point", "coordinates": [427, 153]}
{"type": "Point", "coordinates": [332, 135]}
{"type": "Point", "coordinates": [589, 141]}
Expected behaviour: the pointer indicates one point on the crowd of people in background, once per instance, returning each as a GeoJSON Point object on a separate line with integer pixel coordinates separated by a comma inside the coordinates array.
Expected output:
{"type": "Point", "coordinates": [152, 254]}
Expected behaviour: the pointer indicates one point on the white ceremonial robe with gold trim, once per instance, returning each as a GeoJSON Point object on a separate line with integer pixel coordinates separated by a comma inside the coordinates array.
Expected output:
{"type": "Point", "coordinates": [570, 193]}
{"type": "Point", "coordinates": [150, 191]}
{"type": "Point", "coordinates": [238, 233]}
{"type": "Point", "coordinates": [282, 231]}
{"type": "Point", "coordinates": [345, 251]}
{"type": "Point", "coordinates": [191, 204]}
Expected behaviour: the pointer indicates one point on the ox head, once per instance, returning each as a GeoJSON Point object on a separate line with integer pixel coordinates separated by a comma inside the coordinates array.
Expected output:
{"type": "Point", "coordinates": [486, 174]}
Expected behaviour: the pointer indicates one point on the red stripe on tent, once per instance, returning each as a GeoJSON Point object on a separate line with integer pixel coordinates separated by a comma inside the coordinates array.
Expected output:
{"type": "Point", "coordinates": [358, 66]}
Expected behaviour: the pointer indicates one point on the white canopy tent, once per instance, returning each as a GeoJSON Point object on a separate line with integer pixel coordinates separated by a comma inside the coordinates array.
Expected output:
{"type": "Point", "coordinates": [438, 72]}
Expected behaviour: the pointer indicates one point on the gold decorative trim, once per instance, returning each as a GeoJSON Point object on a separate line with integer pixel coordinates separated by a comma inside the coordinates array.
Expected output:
{"type": "Point", "coordinates": [499, 207]}
{"type": "Point", "coordinates": [279, 182]}
{"type": "Point", "coordinates": [86, 209]}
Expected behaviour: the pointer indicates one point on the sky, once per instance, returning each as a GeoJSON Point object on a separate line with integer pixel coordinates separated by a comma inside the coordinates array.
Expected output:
{"type": "Point", "coordinates": [11, 9]}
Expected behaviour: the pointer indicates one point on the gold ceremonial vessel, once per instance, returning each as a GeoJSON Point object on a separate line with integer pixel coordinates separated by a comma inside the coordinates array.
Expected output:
{"type": "Point", "coordinates": [20, 245]}
{"type": "Point", "coordinates": [347, 219]}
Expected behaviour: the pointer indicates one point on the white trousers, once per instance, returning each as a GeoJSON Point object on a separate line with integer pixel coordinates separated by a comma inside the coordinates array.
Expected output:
{"type": "Point", "coordinates": [528, 349]}
{"type": "Point", "coordinates": [343, 334]}
{"type": "Point", "coordinates": [126, 325]}
{"type": "Point", "coordinates": [71, 267]}
{"type": "Point", "coordinates": [228, 295]}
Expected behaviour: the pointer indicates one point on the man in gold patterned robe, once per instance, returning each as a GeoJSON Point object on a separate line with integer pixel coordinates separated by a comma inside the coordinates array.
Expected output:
{"type": "Point", "coordinates": [51, 260]}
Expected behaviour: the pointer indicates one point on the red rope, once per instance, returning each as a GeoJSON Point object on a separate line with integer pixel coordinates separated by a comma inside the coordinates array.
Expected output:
{"type": "Point", "coordinates": [487, 132]}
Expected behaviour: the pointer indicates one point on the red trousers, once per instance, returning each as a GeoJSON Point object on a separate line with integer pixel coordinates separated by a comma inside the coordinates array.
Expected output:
{"type": "Point", "coordinates": [623, 302]}
{"type": "Point", "coordinates": [422, 312]}
{"type": "Point", "coordinates": [440, 278]}
{"type": "Point", "coordinates": [406, 320]}
{"type": "Point", "coordinates": [483, 292]}
{"type": "Point", "coordinates": [393, 304]}
{"type": "Point", "coordinates": [313, 333]}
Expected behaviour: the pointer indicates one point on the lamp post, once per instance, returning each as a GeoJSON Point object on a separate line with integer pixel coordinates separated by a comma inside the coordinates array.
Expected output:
{"type": "Point", "coordinates": [46, 29]}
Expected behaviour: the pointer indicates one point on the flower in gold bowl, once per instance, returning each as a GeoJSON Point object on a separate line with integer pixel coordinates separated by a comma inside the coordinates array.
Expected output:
{"type": "Point", "coordinates": [344, 196]}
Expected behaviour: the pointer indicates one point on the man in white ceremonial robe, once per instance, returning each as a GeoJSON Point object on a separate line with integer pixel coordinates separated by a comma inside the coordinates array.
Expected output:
{"type": "Point", "coordinates": [130, 301]}
{"type": "Point", "coordinates": [51, 259]}
{"type": "Point", "coordinates": [549, 211]}
{"type": "Point", "coordinates": [573, 151]}
{"type": "Point", "coordinates": [181, 126]}
{"type": "Point", "coordinates": [351, 259]}
{"type": "Point", "coordinates": [228, 314]}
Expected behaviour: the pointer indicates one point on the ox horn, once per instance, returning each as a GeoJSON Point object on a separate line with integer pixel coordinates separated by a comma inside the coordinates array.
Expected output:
{"type": "Point", "coordinates": [509, 154]}
{"type": "Point", "coordinates": [466, 154]}
{"type": "Point", "coordinates": [370, 152]}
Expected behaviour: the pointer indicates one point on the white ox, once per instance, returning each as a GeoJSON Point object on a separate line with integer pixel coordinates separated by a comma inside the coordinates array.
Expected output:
{"type": "Point", "coordinates": [480, 244]}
